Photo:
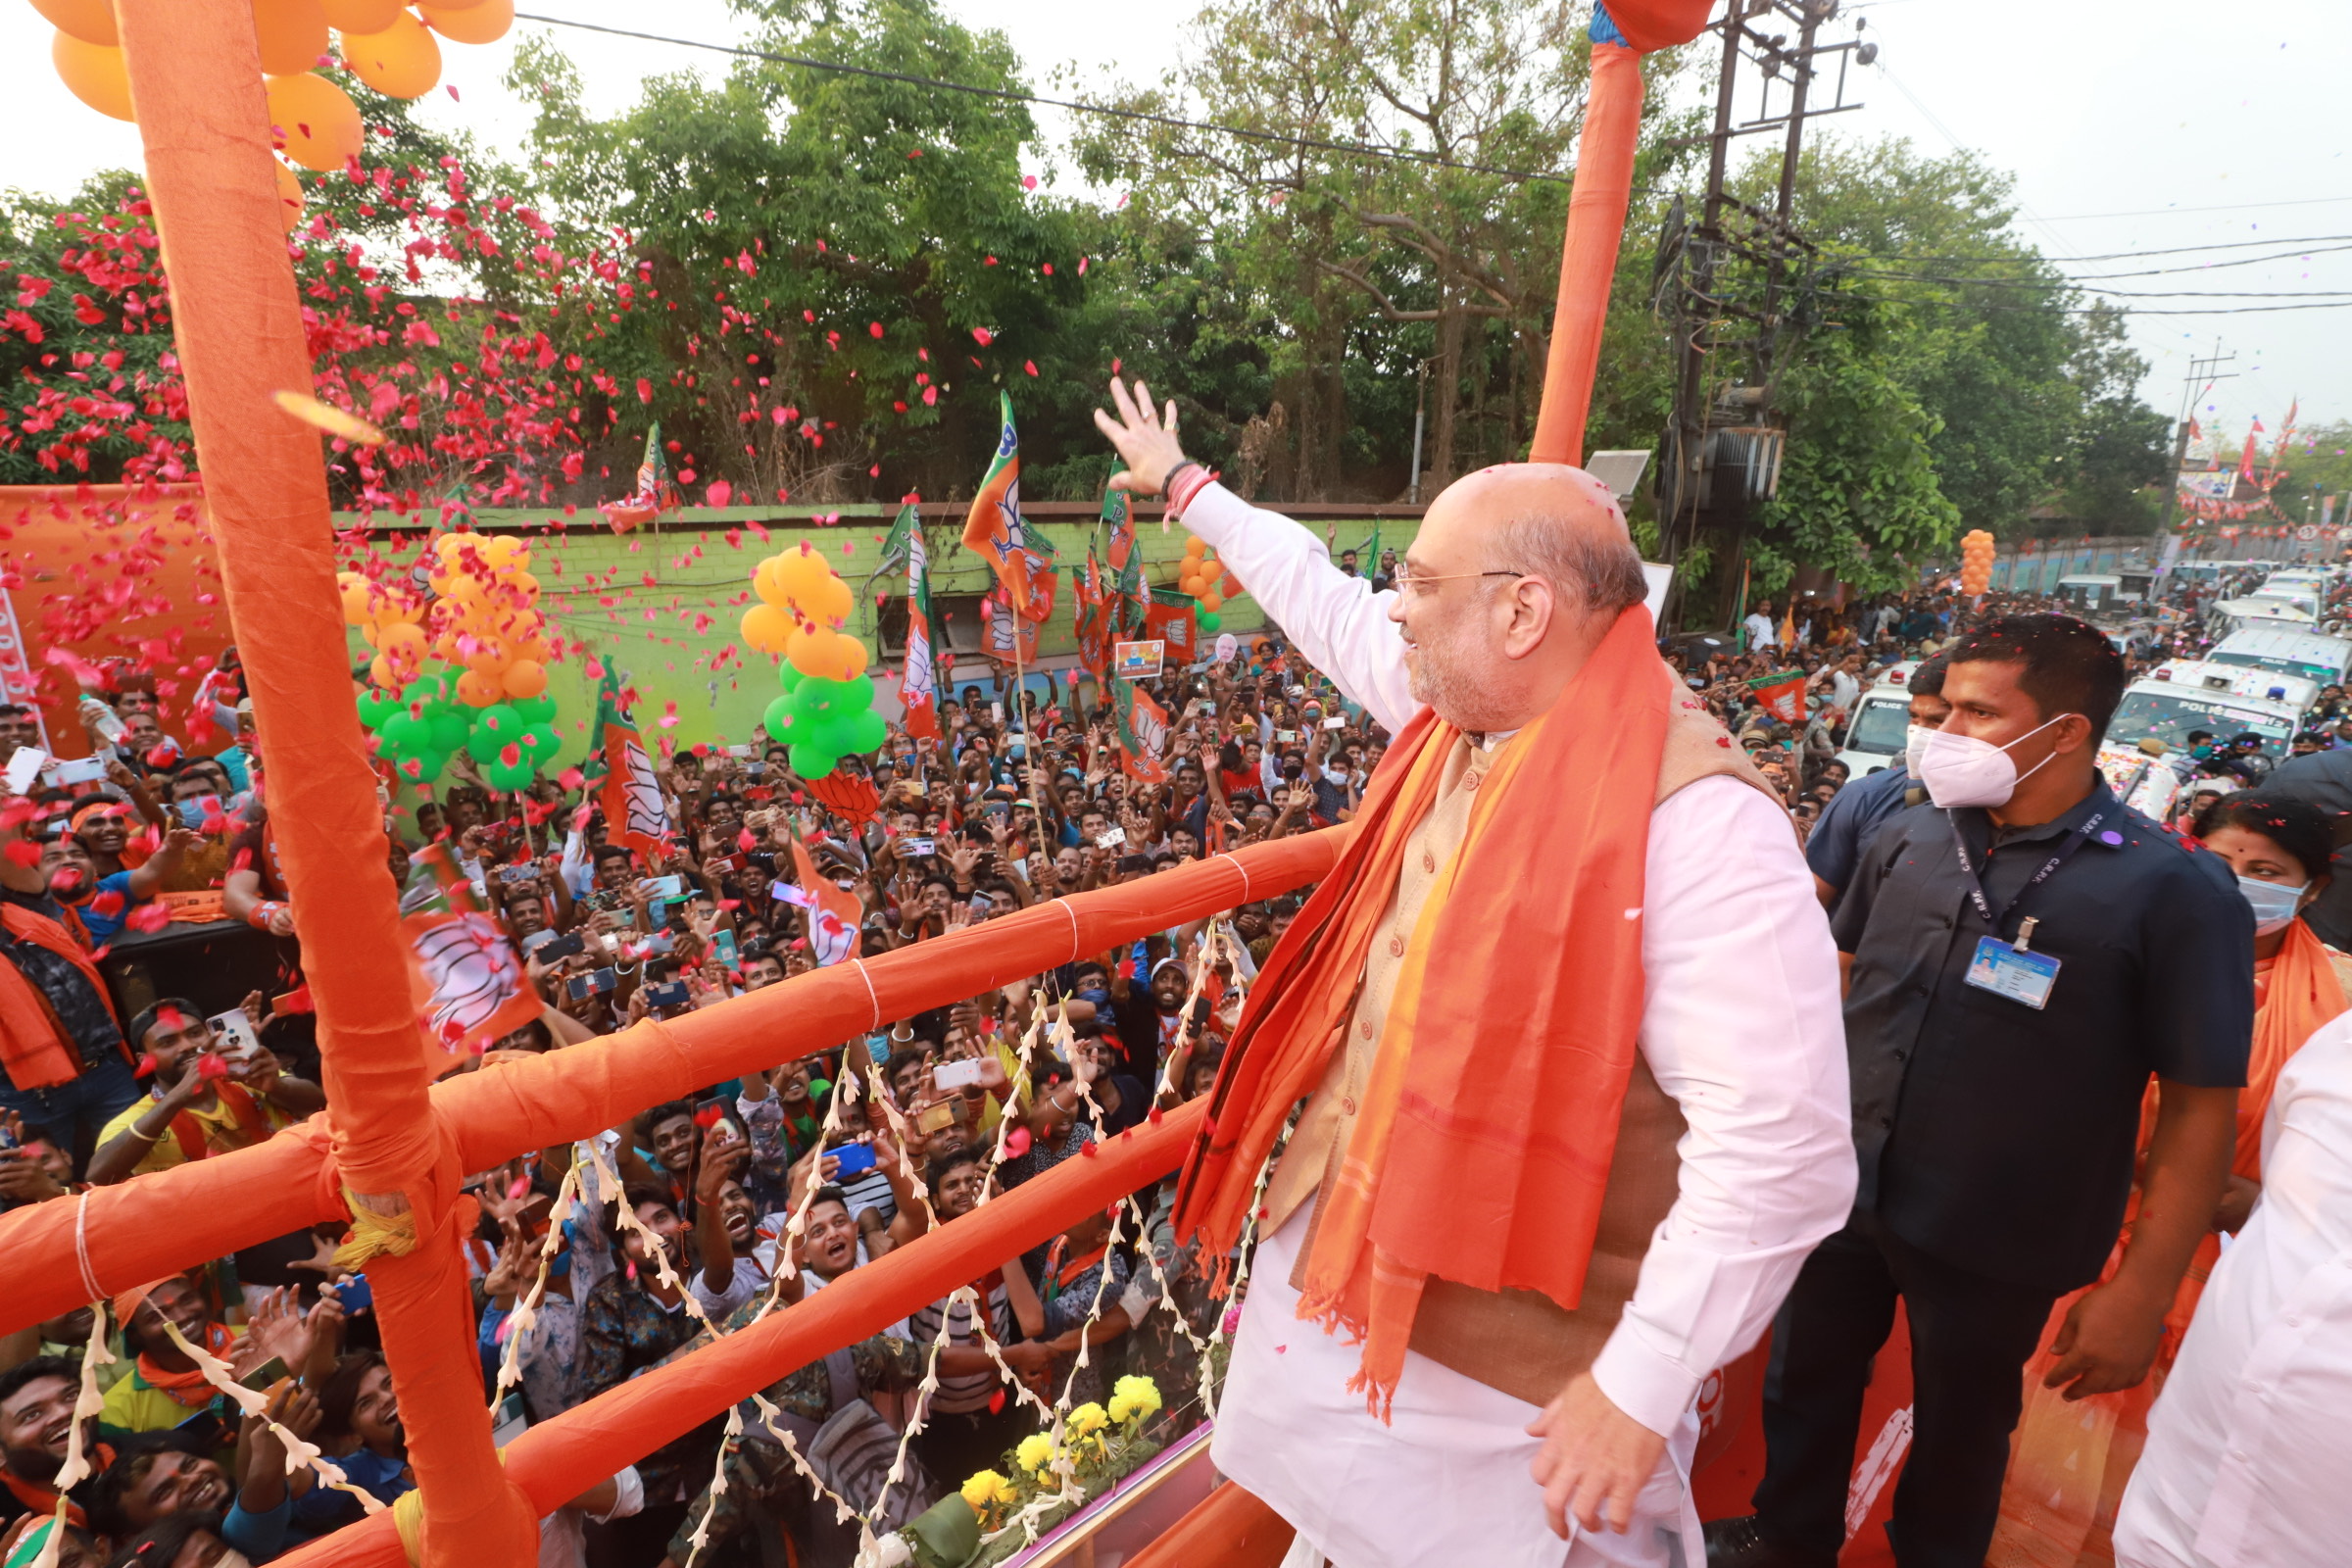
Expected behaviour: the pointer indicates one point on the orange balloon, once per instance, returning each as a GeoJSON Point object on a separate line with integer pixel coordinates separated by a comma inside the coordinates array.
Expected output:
{"type": "Point", "coordinates": [480, 21]}
{"type": "Point", "coordinates": [380, 669]}
{"type": "Point", "coordinates": [93, 74]}
{"type": "Point", "coordinates": [811, 650]}
{"type": "Point", "coordinates": [360, 15]}
{"type": "Point", "coordinates": [1211, 571]}
{"type": "Point", "coordinates": [320, 122]}
{"type": "Point", "coordinates": [399, 640]}
{"type": "Point", "coordinates": [829, 605]}
{"type": "Point", "coordinates": [1190, 583]}
{"type": "Point", "coordinates": [403, 61]}
{"type": "Point", "coordinates": [1213, 602]}
{"type": "Point", "coordinates": [525, 678]}
{"type": "Point", "coordinates": [91, 21]}
{"type": "Point", "coordinates": [766, 628]}
{"type": "Point", "coordinates": [478, 690]}
{"type": "Point", "coordinates": [289, 196]}
{"type": "Point", "coordinates": [292, 34]}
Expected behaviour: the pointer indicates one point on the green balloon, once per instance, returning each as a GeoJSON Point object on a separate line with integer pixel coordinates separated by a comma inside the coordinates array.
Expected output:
{"type": "Point", "coordinates": [376, 707]}
{"type": "Point", "coordinates": [813, 761]}
{"type": "Point", "coordinates": [502, 778]}
{"type": "Point", "coordinates": [423, 767]}
{"type": "Point", "coordinates": [424, 690]}
{"type": "Point", "coordinates": [539, 742]}
{"type": "Point", "coordinates": [859, 694]}
{"type": "Point", "coordinates": [1207, 620]}
{"type": "Point", "coordinates": [865, 732]}
{"type": "Point", "coordinates": [449, 730]}
{"type": "Point", "coordinates": [782, 720]}
{"type": "Point", "coordinates": [540, 709]}
{"type": "Point", "coordinates": [498, 719]}
{"type": "Point", "coordinates": [403, 734]}
{"type": "Point", "coordinates": [790, 677]}
{"type": "Point", "coordinates": [818, 697]}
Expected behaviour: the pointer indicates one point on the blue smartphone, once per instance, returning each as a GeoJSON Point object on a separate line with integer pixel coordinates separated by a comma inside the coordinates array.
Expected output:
{"type": "Point", "coordinates": [855, 1159]}
{"type": "Point", "coordinates": [357, 1296]}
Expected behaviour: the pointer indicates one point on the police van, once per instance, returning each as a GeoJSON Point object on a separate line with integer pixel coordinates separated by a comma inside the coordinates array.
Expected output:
{"type": "Point", "coordinates": [2287, 650]}
{"type": "Point", "coordinates": [1881, 723]}
{"type": "Point", "coordinates": [2183, 695]}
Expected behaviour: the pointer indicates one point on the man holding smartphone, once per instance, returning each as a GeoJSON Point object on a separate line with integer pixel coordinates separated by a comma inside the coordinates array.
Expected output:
{"type": "Point", "coordinates": [206, 1097]}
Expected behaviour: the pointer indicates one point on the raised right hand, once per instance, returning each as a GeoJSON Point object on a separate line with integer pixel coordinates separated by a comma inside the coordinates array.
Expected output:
{"type": "Point", "coordinates": [1146, 439]}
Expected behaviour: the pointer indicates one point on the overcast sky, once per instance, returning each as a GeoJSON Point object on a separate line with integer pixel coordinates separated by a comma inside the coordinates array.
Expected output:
{"type": "Point", "coordinates": [2130, 127]}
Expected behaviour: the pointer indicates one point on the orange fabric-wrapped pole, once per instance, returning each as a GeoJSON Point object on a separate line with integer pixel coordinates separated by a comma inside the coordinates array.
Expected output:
{"type": "Point", "coordinates": [556, 1460]}
{"type": "Point", "coordinates": [196, 87]}
{"type": "Point", "coordinates": [172, 1219]}
{"type": "Point", "coordinates": [1605, 188]}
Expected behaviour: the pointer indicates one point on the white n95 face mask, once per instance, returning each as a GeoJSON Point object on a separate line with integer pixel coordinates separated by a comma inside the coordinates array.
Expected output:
{"type": "Point", "coordinates": [2275, 903]}
{"type": "Point", "coordinates": [1962, 771]}
{"type": "Point", "coordinates": [1915, 741]}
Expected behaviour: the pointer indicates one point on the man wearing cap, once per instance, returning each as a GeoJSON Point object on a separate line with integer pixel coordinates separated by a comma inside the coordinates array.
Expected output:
{"type": "Point", "coordinates": [1565, 1019]}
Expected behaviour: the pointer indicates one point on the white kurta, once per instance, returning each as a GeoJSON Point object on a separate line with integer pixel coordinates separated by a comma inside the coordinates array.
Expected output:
{"type": "Point", "coordinates": [2247, 1460]}
{"type": "Point", "coordinates": [1742, 1026]}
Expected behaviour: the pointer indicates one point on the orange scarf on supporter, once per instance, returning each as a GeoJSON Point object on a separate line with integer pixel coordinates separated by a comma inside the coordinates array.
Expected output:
{"type": "Point", "coordinates": [1546, 894]}
{"type": "Point", "coordinates": [33, 1045]}
{"type": "Point", "coordinates": [2299, 991]}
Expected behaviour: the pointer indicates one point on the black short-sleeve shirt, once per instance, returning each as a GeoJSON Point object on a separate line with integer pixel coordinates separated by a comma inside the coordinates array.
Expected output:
{"type": "Point", "coordinates": [1997, 1137]}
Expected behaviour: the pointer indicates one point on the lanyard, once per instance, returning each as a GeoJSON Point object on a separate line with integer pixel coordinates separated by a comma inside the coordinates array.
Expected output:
{"type": "Point", "coordinates": [1975, 883]}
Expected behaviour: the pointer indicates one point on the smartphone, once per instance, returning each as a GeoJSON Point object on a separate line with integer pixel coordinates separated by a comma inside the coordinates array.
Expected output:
{"type": "Point", "coordinates": [1339, 722]}
{"type": "Point", "coordinates": [23, 767]}
{"type": "Point", "coordinates": [78, 770]}
{"type": "Point", "coordinates": [669, 997]}
{"type": "Point", "coordinates": [511, 874]}
{"type": "Point", "coordinates": [722, 942]}
{"type": "Point", "coordinates": [1209, 708]}
{"type": "Point", "coordinates": [267, 1373]}
{"type": "Point", "coordinates": [995, 713]}
{"type": "Point", "coordinates": [920, 847]}
{"type": "Point", "coordinates": [855, 1159]}
{"type": "Point", "coordinates": [723, 865]}
{"type": "Point", "coordinates": [667, 887]}
{"type": "Point", "coordinates": [964, 1074]}
{"type": "Point", "coordinates": [357, 1296]}
{"type": "Point", "coordinates": [936, 1118]}
{"type": "Point", "coordinates": [1111, 838]}
{"type": "Point", "coordinates": [595, 983]}
{"type": "Point", "coordinates": [1286, 736]}
{"type": "Point", "coordinates": [237, 1037]}
{"type": "Point", "coordinates": [743, 751]}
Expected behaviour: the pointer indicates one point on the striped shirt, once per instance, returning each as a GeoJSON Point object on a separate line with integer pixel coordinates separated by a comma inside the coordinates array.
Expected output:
{"type": "Point", "coordinates": [970, 1391]}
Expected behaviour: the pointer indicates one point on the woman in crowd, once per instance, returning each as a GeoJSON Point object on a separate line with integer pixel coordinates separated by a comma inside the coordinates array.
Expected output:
{"type": "Point", "coordinates": [2069, 1461]}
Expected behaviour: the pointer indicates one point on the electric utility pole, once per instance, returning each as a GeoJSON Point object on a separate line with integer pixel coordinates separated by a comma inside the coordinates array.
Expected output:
{"type": "Point", "coordinates": [2202, 374]}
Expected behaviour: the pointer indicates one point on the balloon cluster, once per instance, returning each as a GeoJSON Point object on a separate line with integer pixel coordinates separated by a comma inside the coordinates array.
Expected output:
{"type": "Point", "coordinates": [390, 48]}
{"type": "Point", "coordinates": [1199, 576]}
{"type": "Point", "coordinates": [418, 727]}
{"type": "Point", "coordinates": [827, 709]}
{"type": "Point", "coordinates": [1976, 561]}
{"type": "Point", "coordinates": [487, 618]}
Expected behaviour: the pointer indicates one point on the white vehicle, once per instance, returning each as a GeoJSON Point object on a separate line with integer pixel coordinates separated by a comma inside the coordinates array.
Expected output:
{"type": "Point", "coordinates": [1881, 723]}
{"type": "Point", "coordinates": [2263, 610]}
{"type": "Point", "coordinates": [2285, 589]}
{"type": "Point", "coordinates": [2288, 650]}
{"type": "Point", "coordinates": [2090, 592]}
{"type": "Point", "coordinates": [2185, 695]}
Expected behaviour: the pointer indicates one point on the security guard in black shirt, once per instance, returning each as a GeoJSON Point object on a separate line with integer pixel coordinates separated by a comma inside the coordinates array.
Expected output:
{"type": "Point", "coordinates": [2023, 954]}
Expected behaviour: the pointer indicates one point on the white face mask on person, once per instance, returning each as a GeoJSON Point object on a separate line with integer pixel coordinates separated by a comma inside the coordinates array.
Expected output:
{"type": "Point", "coordinates": [2275, 903]}
{"type": "Point", "coordinates": [1962, 771]}
{"type": "Point", "coordinates": [1915, 742]}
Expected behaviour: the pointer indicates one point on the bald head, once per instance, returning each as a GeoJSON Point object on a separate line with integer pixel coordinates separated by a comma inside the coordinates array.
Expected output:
{"type": "Point", "coordinates": [1516, 575]}
{"type": "Point", "coordinates": [1550, 522]}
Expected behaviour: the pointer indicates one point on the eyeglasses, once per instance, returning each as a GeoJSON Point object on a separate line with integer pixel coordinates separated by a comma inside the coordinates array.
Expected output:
{"type": "Point", "coordinates": [1409, 580]}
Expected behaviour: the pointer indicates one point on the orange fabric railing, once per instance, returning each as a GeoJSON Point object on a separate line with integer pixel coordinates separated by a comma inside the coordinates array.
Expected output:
{"type": "Point", "coordinates": [1230, 1527]}
{"type": "Point", "coordinates": [556, 1460]}
{"type": "Point", "coordinates": [67, 1253]}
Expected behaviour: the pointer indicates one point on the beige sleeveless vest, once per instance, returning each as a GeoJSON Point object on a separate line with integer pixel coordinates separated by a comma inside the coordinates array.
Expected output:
{"type": "Point", "coordinates": [1516, 1341]}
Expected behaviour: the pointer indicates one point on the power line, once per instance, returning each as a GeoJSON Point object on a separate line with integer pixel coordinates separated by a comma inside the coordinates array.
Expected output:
{"type": "Point", "coordinates": [2098, 278]}
{"type": "Point", "coordinates": [2231, 207]}
{"type": "Point", "coordinates": [1008, 95]}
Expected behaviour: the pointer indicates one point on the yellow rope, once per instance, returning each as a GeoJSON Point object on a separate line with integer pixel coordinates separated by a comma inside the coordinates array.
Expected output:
{"type": "Point", "coordinates": [373, 1235]}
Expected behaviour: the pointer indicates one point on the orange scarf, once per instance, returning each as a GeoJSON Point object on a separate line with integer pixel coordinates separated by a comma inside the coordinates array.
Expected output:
{"type": "Point", "coordinates": [35, 1047]}
{"type": "Point", "coordinates": [189, 1388]}
{"type": "Point", "coordinates": [1546, 890]}
{"type": "Point", "coordinates": [2300, 993]}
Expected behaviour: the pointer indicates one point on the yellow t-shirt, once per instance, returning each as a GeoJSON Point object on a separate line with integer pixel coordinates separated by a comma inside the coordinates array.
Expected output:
{"type": "Point", "coordinates": [218, 1121]}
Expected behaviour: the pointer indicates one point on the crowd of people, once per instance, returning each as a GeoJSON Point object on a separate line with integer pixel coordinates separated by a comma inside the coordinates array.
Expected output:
{"type": "Point", "coordinates": [748, 1195]}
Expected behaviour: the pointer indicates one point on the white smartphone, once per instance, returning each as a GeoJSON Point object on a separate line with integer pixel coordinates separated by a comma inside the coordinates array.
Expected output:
{"type": "Point", "coordinates": [23, 767]}
{"type": "Point", "coordinates": [237, 1039]}
{"type": "Point", "coordinates": [1339, 722]}
{"type": "Point", "coordinates": [78, 770]}
{"type": "Point", "coordinates": [964, 1074]}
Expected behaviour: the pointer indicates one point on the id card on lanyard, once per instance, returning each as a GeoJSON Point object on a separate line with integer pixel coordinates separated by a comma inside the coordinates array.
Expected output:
{"type": "Point", "coordinates": [2011, 968]}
